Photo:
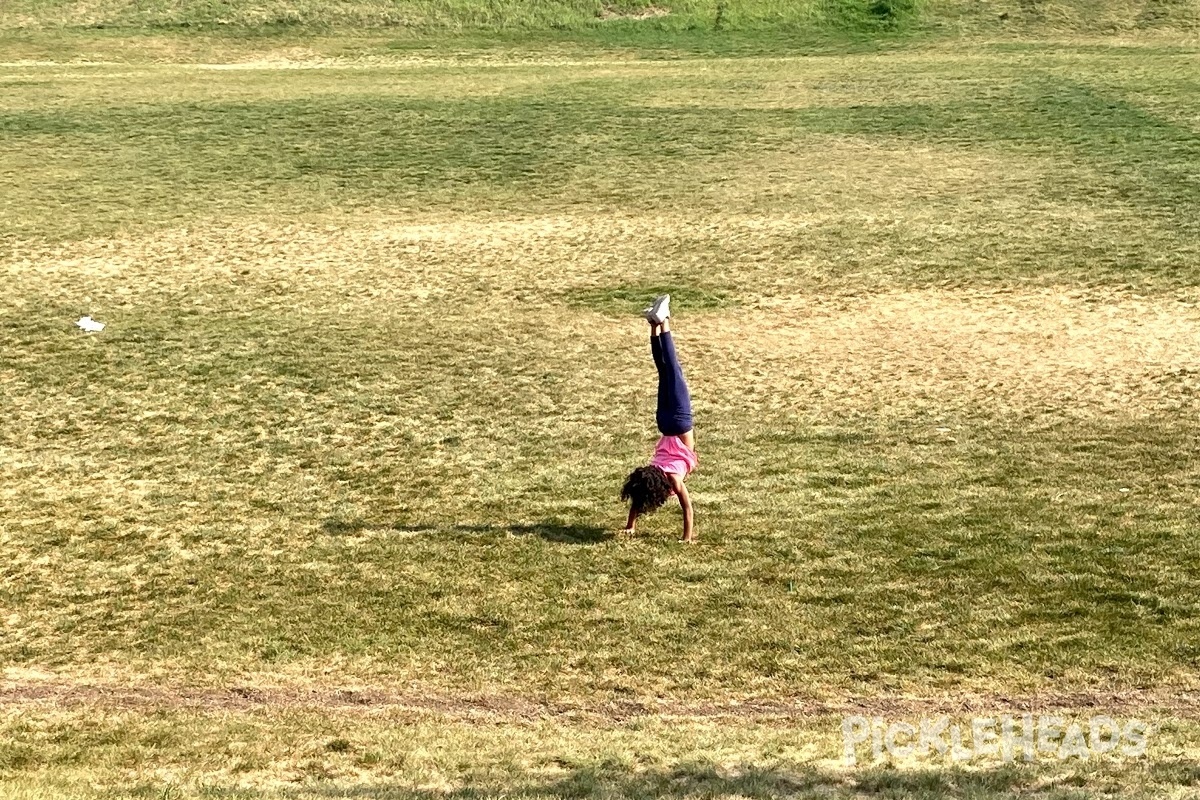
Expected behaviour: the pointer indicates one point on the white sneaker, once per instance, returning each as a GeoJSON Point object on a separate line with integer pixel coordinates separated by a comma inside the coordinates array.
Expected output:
{"type": "Point", "coordinates": [660, 310]}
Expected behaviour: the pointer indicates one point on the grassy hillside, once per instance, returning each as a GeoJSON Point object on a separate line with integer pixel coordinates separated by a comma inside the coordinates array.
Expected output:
{"type": "Point", "coordinates": [612, 16]}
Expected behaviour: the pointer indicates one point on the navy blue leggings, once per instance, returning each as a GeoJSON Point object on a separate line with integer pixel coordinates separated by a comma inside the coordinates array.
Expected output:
{"type": "Point", "coordinates": [674, 415]}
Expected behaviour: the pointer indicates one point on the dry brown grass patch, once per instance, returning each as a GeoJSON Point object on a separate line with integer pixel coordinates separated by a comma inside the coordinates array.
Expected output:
{"type": "Point", "coordinates": [1067, 351]}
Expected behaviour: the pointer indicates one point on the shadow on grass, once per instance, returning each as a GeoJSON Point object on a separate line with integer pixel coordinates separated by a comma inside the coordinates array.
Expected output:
{"type": "Point", "coordinates": [704, 780]}
{"type": "Point", "coordinates": [551, 531]}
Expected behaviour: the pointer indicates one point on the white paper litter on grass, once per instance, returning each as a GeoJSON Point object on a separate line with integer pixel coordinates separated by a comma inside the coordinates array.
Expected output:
{"type": "Point", "coordinates": [90, 325]}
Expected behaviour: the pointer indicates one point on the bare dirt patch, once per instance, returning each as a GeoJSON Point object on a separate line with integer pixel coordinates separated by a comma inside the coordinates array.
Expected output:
{"type": "Point", "coordinates": [65, 695]}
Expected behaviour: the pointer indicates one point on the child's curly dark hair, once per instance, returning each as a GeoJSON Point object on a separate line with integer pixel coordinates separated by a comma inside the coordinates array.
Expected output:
{"type": "Point", "coordinates": [646, 488]}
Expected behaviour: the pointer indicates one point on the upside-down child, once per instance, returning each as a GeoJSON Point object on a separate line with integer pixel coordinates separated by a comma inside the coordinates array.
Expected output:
{"type": "Point", "coordinates": [648, 488]}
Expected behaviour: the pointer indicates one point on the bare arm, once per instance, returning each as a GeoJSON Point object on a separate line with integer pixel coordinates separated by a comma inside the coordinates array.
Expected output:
{"type": "Point", "coordinates": [685, 503]}
{"type": "Point", "coordinates": [629, 522]}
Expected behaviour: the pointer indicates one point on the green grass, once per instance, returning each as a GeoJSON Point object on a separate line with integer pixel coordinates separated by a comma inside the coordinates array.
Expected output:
{"type": "Point", "coordinates": [621, 17]}
{"type": "Point", "coordinates": [373, 375]}
{"type": "Point", "coordinates": [618, 19]}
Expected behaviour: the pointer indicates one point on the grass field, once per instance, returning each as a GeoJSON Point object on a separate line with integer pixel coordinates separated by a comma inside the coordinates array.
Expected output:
{"type": "Point", "coordinates": [330, 507]}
